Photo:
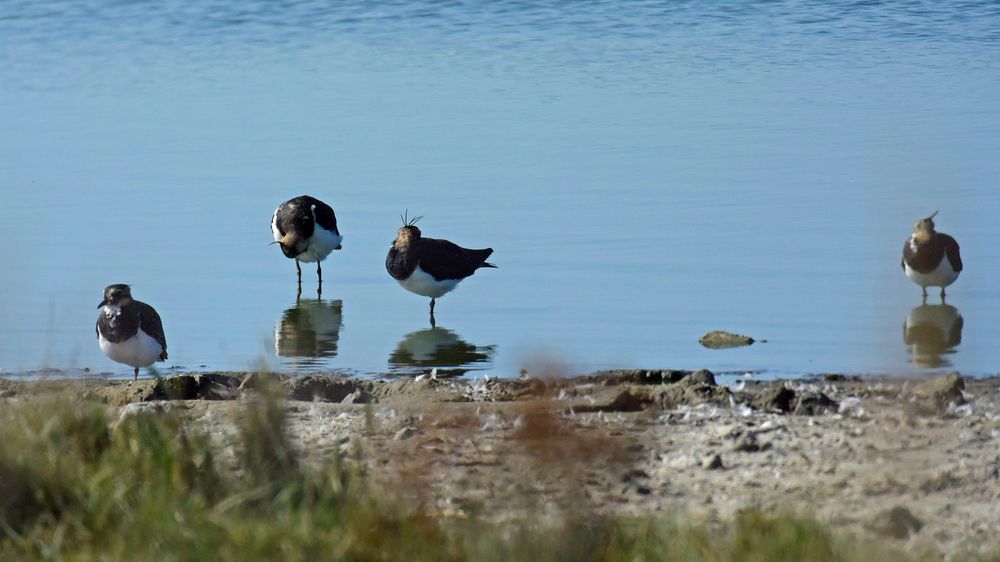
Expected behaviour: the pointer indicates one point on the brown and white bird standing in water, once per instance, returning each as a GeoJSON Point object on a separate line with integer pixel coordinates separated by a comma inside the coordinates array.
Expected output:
{"type": "Point", "coordinates": [130, 331]}
{"type": "Point", "coordinates": [431, 267]}
{"type": "Point", "coordinates": [931, 258]}
{"type": "Point", "coordinates": [306, 230]}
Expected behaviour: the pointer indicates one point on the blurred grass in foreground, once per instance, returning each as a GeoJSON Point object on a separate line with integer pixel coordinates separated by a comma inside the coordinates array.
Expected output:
{"type": "Point", "coordinates": [73, 488]}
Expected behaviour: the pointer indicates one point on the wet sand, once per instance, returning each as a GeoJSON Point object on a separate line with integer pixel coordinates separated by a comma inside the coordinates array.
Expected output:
{"type": "Point", "coordinates": [906, 460]}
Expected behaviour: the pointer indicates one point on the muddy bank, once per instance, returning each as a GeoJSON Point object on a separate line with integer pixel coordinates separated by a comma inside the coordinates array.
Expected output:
{"type": "Point", "coordinates": [913, 461]}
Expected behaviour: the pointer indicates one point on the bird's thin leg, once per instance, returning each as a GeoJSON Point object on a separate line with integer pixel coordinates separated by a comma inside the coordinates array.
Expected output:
{"type": "Point", "coordinates": [432, 306]}
{"type": "Point", "coordinates": [135, 377]}
{"type": "Point", "coordinates": [433, 323]}
{"type": "Point", "coordinates": [298, 270]}
{"type": "Point", "coordinates": [924, 299]}
{"type": "Point", "coordinates": [924, 289]}
{"type": "Point", "coordinates": [319, 272]}
{"type": "Point", "coordinates": [942, 295]}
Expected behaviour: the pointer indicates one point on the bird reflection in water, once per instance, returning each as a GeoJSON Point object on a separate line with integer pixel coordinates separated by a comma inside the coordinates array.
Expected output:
{"type": "Point", "coordinates": [438, 348]}
{"type": "Point", "coordinates": [932, 331]}
{"type": "Point", "coordinates": [310, 330]}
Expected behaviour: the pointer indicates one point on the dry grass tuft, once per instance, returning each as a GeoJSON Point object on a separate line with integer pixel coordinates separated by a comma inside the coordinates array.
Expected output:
{"type": "Point", "coordinates": [76, 484]}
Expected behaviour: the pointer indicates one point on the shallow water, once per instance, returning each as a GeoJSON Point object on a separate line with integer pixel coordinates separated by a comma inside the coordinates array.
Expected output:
{"type": "Point", "coordinates": [645, 173]}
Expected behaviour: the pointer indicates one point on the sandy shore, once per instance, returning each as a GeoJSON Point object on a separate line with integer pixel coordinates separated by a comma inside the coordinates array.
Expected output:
{"type": "Point", "coordinates": [913, 461]}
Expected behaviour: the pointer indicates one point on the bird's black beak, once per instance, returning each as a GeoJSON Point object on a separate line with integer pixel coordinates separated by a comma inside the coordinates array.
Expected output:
{"type": "Point", "coordinates": [934, 214]}
{"type": "Point", "coordinates": [103, 302]}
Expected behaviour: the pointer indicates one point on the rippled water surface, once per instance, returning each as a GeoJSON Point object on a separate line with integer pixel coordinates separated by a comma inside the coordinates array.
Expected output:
{"type": "Point", "coordinates": [645, 171]}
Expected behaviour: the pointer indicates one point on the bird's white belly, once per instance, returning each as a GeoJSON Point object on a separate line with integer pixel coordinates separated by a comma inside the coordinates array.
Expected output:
{"type": "Point", "coordinates": [274, 226]}
{"type": "Point", "coordinates": [140, 350]}
{"type": "Point", "coordinates": [320, 244]}
{"type": "Point", "coordinates": [942, 276]}
{"type": "Point", "coordinates": [424, 284]}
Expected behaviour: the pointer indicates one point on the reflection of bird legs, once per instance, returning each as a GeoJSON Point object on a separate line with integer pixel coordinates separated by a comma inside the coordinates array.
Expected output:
{"type": "Point", "coordinates": [319, 286]}
{"type": "Point", "coordinates": [433, 324]}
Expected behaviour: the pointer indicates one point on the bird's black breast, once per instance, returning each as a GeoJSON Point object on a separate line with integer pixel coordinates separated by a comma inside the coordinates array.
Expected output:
{"type": "Point", "coordinates": [928, 255]}
{"type": "Point", "coordinates": [120, 325]}
{"type": "Point", "coordinates": [126, 321]}
{"type": "Point", "coordinates": [400, 264]}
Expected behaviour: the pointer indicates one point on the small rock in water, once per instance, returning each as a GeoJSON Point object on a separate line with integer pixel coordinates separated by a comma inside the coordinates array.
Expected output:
{"type": "Point", "coordinates": [718, 339]}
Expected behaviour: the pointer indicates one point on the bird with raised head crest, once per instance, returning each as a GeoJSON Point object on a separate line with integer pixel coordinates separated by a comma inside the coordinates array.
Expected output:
{"type": "Point", "coordinates": [430, 267]}
{"type": "Point", "coordinates": [931, 258]}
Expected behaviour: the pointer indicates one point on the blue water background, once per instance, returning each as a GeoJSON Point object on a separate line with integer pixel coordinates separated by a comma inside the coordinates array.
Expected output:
{"type": "Point", "coordinates": [645, 171]}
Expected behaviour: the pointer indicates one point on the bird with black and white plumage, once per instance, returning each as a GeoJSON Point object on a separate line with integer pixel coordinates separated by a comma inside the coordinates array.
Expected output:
{"type": "Point", "coordinates": [130, 331]}
{"type": "Point", "coordinates": [430, 267]}
{"type": "Point", "coordinates": [306, 230]}
{"type": "Point", "coordinates": [931, 258]}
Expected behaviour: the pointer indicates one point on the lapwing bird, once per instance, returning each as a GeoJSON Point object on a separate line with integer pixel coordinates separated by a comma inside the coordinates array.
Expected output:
{"type": "Point", "coordinates": [306, 230]}
{"type": "Point", "coordinates": [130, 331]}
{"type": "Point", "coordinates": [931, 258]}
{"type": "Point", "coordinates": [430, 267]}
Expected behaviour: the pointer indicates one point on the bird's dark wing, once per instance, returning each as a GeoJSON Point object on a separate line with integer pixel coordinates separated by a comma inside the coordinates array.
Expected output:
{"type": "Point", "coordinates": [951, 250]}
{"type": "Point", "coordinates": [325, 216]}
{"type": "Point", "coordinates": [149, 322]}
{"type": "Point", "coordinates": [445, 260]}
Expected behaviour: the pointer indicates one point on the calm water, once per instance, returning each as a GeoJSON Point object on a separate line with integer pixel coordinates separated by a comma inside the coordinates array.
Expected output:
{"type": "Point", "coordinates": [646, 172]}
